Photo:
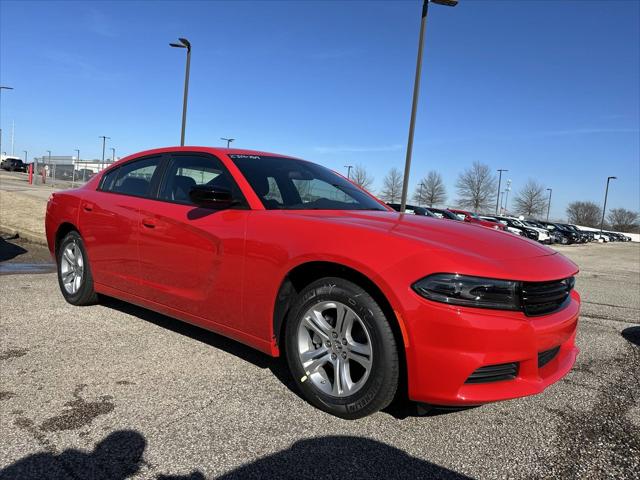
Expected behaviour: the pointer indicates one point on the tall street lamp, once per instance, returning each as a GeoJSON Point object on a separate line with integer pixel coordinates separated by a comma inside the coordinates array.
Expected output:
{"type": "Point", "coordinates": [2, 87]}
{"type": "Point", "coordinates": [113, 155]}
{"type": "Point", "coordinates": [348, 167]}
{"type": "Point", "coordinates": [604, 209]}
{"type": "Point", "coordinates": [184, 43]}
{"type": "Point", "coordinates": [416, 91]}
{"type": "Point", "coordinates": [104, 141]}
{"type": "Point", "coordinates": [549, 202]}
{"type": "Point", "coordinates": [228, 140]}
{"type": "Point", "coordinates": [500, 170]}
{"type": "Point", "coordinates": [506, 197]}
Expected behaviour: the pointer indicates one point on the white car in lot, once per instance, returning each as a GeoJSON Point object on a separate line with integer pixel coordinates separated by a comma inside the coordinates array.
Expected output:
{"type": "Point", "coordinates": [543, 233]}
{"type": "Point", "coordinates": [515, 231]}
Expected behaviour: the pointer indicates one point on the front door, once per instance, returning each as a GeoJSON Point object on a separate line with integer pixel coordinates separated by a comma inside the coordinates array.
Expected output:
{"type": "Point", "coordinates": [191, 258]}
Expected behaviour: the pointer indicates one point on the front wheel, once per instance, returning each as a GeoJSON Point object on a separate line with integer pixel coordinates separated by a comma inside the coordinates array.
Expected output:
{"type": "Point", "coordinates": [74, 273]}
{"type": "Point", "coordinates": [341, 350]}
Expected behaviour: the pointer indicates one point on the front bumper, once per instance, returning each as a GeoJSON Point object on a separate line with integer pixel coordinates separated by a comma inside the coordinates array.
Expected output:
{"type": "Point", "coordinates": [447, 344]}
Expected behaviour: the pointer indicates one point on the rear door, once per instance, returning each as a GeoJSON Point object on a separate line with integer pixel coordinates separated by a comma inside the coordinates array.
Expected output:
{"type": "Point", "coordinates": [191, 258]}
{"type": "Point", "coordinates": [109, 222]}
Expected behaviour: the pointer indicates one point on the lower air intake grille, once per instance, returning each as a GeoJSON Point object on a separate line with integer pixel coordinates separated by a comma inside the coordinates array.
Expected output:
{"type": "Point", "coordinates": [540, 298]}
{"type": "Point", "coordinates": [546, 356]}
{"type": "Point", "coordinates": [494, 373]}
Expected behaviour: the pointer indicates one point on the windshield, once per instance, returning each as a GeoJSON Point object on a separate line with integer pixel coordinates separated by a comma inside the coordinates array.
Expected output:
{"type": "Point", "coordinates": [290, 184]}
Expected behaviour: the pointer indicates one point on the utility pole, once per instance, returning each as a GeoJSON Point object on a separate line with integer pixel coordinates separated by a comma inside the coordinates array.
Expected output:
{"type": "Point", "coordinates": [604, 208]}
{"type": "Point", "coordinates": [499, 182]}
{"type": "Point", "coordinates": [104, 141]}
{"type": "Point", "coordinates": [348, 167]}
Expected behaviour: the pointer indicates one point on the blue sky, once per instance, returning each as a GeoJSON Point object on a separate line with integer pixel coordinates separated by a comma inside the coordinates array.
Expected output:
{"type": "Point", "coordinates": [546, 89]}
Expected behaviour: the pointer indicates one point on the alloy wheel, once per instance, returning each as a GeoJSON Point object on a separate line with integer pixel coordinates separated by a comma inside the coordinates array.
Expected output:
{"type": "Point", "coordinates": [72, 267]}
{"type": "Point", "coordinates": [334, 348]}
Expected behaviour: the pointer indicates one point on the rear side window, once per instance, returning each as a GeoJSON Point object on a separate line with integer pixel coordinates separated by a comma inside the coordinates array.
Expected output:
{"type": "Point", "coordinates": [133, 178]}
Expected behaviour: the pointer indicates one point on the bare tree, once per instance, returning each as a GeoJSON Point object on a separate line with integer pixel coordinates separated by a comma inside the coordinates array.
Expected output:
{"type": "Point", "coordinates": [476, 187]}
{"type": "Point", "coordinates": [361, 177]}
{"type": "Point", "coordinates": [531, 200]}
{"type": "Point", "coordinates": [623, 220]}
{"type": "Point", "coordinates": [392, 186]}
{"type": "Point", "coordinates": [430, 190]}
{"type": "Point", "coordinates": [587, 214]}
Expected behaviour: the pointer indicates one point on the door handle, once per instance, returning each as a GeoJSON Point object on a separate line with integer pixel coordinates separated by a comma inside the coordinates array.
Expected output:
{"type": "Point", "coordinates": [149, 223]}
{"type": "Point", "coordinates": [88, 207]}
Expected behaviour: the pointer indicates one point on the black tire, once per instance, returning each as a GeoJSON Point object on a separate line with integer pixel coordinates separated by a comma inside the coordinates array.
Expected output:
{"type": "Point", "coordinates": [379, 388]}
{"type": "Point", "coordinates": [85, 294]}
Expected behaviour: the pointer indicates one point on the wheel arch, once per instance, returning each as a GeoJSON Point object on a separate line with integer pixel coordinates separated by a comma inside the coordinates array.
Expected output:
{"type": "Point", "coordinates": [63, 229]}
{"type": "Point", "coordinates": [303, 274]}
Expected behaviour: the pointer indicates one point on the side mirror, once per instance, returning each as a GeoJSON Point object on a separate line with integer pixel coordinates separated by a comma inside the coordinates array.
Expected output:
{"type": "Point", "coordinates": [208, 196]}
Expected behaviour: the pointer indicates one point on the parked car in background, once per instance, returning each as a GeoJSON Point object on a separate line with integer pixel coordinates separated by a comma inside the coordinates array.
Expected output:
{"type": "Point", "coordinates": [582, 237]}
{"type": "Point", "coordinates": [528, 232]}
{"type": "Point", "coordinates": [543, 233]}
{"type": "Point", "coordinates": [84, 174]}
{"type": "Point", "coordinates": [516, 231]}
{"type": "Point", "coordinates": [571, 235]}
{"type": "Point", "coordinates": [13, 165]}
{"type": "Point", "coordinates": [443, 213]}
{"type": "Point", "coordinates": [289, 257]}
{"type": "Point", "coordinates": [412, 209]}
{"type": "Point", "coordinates": [474, 218]}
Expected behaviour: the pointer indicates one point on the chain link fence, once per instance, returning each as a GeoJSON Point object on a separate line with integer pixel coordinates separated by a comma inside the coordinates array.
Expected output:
{"type": "Point", "coordinates": [65, 172]}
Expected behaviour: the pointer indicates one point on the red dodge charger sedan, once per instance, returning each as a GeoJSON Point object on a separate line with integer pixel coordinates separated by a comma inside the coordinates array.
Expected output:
{"type": "Point", "coordinates": [291, 258]}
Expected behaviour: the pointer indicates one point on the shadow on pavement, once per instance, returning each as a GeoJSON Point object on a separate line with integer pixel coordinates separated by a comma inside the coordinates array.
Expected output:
{"type": "Point", "coordinates": [120, 455]}
{"type": "Point", "coordinates": [9, 250]}
{"type": "Point", "coordinates": [632, 334]}
{"type": "Point", "coordinates": [116, 457]}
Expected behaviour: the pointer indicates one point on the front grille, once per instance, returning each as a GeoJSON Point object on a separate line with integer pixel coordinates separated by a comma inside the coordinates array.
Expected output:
{"type": "Point", "coordinates": [494, 373]}
{"type": "Point", "coordinates": [546, 356]}
{"type": "Point", "coordinates": [540, 298]}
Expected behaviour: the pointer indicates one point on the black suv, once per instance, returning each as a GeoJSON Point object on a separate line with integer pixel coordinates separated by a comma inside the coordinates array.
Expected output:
{"type": "Point", "coordinates": [13, 165]}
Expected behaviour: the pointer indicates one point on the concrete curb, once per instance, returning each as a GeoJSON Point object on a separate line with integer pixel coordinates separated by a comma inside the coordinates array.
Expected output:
{"type": "Point", "coordinates": [32, 237]}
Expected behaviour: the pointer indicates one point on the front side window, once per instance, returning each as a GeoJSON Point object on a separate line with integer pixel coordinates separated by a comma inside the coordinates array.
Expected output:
{"type": "Point", "coordinates": [186, 171]}
{"type": "Point", "coordinates": [300, 185]}
{"type": "Point", "coordinates": [133, 178]}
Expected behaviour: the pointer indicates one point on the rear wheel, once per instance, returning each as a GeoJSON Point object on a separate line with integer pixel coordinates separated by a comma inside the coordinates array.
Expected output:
{"type": "Point", "coordinates": [74, 273]}
{"type": "Point", "coordinates": [341, 349]}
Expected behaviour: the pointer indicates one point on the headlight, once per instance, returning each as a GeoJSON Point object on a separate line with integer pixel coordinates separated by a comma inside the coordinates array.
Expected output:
{"type": "Point", "coordinates": [468, 291]}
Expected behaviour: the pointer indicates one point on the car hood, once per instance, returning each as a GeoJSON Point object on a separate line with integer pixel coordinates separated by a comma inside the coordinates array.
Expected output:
{"type": "Point", "coordinates": [437, 234]}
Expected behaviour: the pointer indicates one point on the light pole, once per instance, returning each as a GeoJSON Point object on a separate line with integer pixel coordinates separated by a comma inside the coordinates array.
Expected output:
{"type": "Point", "coordinates": [228, 140]}
{"type": "Point", "coordinates": [113, 155]}
{"type": "Point", "coordinates": [50, 171]}
{"type": "Point", "coordinates": [104, 141]}
{"type": "Point", "coordinates": [184, 43]}
{"type": "Point", "coordinates": [2, 87]}
{"type": "Point", "coordinates": [416, 91]}
{"type": "Point", "coordinates": [348, 167]}
{"type": "Point", "coordinates": [500, 170]}
{"type": "Point", "coordinates": [549, 203]}
{"type": "Point", "coordinates": [73, 171]}
{"type": "Point", "coordinates": [604, 209]}
{"type": "Point", "coordinates": [421, 185]}
{"type": "Point", "coordinates": [506, 197]}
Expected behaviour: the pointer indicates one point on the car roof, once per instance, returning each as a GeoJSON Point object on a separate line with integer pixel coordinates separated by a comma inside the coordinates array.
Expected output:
{"type": "Point", "coordinates": [205, 149]}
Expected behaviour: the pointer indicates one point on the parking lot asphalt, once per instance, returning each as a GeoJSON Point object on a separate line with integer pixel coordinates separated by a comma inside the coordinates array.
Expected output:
{"type": "Point", "coordinates": [114, 391]}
